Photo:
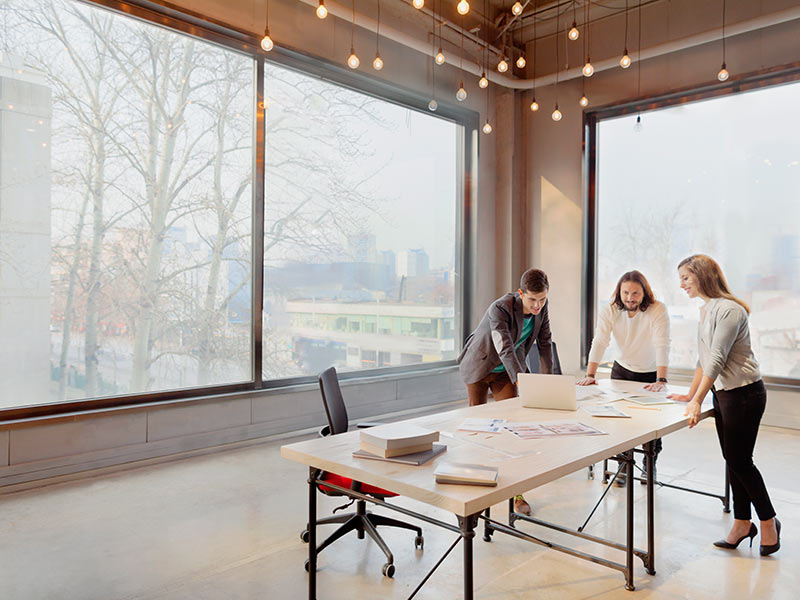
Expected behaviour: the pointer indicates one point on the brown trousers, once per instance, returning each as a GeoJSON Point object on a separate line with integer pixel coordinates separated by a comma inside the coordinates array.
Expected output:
{"type": "Point", "coordinates": [499, 383]}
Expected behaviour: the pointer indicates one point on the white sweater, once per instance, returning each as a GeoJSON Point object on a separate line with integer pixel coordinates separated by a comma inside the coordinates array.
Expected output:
{"type": "Point", "coordinates": [643, 339]}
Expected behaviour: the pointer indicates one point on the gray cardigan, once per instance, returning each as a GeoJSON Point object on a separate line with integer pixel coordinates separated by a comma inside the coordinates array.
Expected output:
{"type": "Point", "coordinates": [723, 340]}
{"type": "Point", "coordinates": [494, 340]}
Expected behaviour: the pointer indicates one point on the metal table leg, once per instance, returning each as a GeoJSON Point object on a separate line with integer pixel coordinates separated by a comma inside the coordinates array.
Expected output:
{"type": "Point", "coordinates": [629, 531]}
{"type": "Point", "coordinates": [467, 526]}
{"type": "Point", "coordinates": [650, 452]}
{"type": "Point", "coordinates": [312, 534]}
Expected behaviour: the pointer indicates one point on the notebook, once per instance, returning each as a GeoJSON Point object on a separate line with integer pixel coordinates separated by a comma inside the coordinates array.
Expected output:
{"type": "Point", "coordinates": [466, 474]}
{"type": "Point", "coordinates": [416, 459]}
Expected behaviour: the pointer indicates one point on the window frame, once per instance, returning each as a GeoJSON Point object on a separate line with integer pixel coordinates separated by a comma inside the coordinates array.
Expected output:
{"type": "Point", "coordinates": [780, 75]}
{"type": "Point", "coordinates": [206, 29]}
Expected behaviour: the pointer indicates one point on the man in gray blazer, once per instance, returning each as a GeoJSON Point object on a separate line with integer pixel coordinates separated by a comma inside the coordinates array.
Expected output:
{"type": "Point", "coordinates": [494, 354]}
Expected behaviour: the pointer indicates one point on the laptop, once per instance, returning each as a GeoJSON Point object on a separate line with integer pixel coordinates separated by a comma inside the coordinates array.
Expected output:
{"type": "Point", "coordinates": [547, 391]}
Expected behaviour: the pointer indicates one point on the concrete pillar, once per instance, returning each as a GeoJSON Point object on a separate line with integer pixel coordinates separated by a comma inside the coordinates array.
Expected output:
{"type": "Point", "coordinates": [25, 114]}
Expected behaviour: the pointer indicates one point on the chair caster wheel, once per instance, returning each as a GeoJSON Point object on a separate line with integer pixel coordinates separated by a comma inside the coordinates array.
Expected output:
{"type": "Point", "coordinates": [487, 538]}
{"type": "Point", "coordinates": [388, 570]}
{"type": "Point", "coordinates": [419, 542]}
{"type": "Point", "coordinates": [305, 565]}
{"type": "Point", "coordinates": [304, 535]}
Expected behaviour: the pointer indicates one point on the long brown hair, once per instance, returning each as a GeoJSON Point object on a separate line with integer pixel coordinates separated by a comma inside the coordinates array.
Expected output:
{"type": "Point", "coordinates": [710, 278]}
{"type": "Point", "coordinates": [636, 277]}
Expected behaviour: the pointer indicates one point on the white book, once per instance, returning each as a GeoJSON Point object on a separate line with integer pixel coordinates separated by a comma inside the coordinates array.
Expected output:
{"type": "Point", "coordinates": [398, 435]}
{"type": "Point", "coordinates": [466, 474]}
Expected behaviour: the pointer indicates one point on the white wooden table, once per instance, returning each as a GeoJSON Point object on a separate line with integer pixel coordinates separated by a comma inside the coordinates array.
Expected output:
{"type": "Point", "coordinates": [523, 465]}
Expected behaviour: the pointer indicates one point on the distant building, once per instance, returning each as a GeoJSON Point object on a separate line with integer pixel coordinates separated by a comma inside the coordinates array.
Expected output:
{"type": "Point", "coordinates": [413, 263]}
{"type": "Point", "coordinates": [362, 248]}
{"type": "Point", "coordinates": [369, 334]}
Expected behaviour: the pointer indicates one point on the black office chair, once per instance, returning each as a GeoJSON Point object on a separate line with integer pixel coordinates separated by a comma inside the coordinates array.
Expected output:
{"type": "Point", "coordinates": [361, 520]}
{"type": "Point", "coordinates": [532, 360]}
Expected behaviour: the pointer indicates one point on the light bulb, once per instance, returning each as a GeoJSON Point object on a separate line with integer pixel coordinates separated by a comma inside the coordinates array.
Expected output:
{"type": "Point", "coordinates": [483, 82]}
{"type": "Point", "coordinates": [322, 12]}
{"type": "Point", "coordinates": [377, 64]}
{"type": "Point", "coordinates": [723, 73]}
{"type": "Point", "coordinates": [556, 114]}
{"type": "Point", "coordinates": [521, 62]}
{"type": "Point", "coordinates": [574, 34]}
{"type": "Point", "coordinates": [517, 8]}
{"type": "Point", "coordinates": [439, 58]}
{"type": "Point", "coordinates": [266, 42]}
{"type": "Point", "coordinates": [462, 7]}
{"type": "Point", "coordinates": [534, 105]}
{"type": "Point", "coordinates": [418, 4]}
{"type": "Point", "coordinates": [588, 68]}
{"type": "Point", "coordinates": [625, 61]}
{"type": "Point", "coordinates": [352, 60]}
{"type": "Point", "coordinates": [584, 101]}
{"type": "Point", "coordinates": [487, 128]}
{"type": "Point", "coordinates": [433, 105]}
{"type": "Point", "coordinates": [502, 66]}
{"type": "Point", "coordinates": [637, 127]}
{"type": "Point", "coordinates": [461, 94]}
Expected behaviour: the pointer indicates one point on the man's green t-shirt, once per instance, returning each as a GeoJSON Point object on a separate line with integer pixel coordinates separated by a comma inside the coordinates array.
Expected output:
{"type": "Point", "coordinates": [527, 329]}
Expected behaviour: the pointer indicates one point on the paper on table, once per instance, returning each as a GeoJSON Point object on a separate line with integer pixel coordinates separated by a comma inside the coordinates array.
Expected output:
{"type": "Point", "coordinates": [529, 430]}
{"type": "Point", "coordinates": [483, 425]}
{"type": "Point", "coordinates": [592, 392]}
{"type": "Point", "coordinates": [605, 410]}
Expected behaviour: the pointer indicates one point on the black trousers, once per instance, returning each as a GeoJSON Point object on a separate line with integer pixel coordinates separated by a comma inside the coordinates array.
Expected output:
{"type": "Point", "coordinates": [620, 372]}
{"type": "Point", "coordinates": [737, 414]}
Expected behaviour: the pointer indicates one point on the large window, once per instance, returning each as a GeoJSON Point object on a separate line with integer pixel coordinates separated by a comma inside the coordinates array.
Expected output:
{"type": "Point", "coordinates": [720, 177]}
{"type": "Point", "coordinates": [360, 230]}
{"type": "Point", "coordinates": [127, 203]}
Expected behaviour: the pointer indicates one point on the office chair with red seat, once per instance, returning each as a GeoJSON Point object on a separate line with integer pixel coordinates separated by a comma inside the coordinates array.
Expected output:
{"type": "Point", "coordinates": [362, 520]}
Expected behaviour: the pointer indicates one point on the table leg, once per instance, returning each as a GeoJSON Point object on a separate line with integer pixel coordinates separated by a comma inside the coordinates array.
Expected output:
{"type": "Point", "coordinates": [629, 541]}
{"type": "Point", "coordinates": [312, 534]}
{"type": "Point", "coordinates": [487, 531]}
{"type": "Point", "coordinates": [467, 526]}
{"type": "Point", "coordinates": [650, 564]}
{"type": "Point", "coordinates": [726, 500]}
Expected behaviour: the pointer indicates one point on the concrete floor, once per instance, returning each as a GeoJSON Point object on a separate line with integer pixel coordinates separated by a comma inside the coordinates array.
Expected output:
{"type": "Point", "coordinates": [226, 526]}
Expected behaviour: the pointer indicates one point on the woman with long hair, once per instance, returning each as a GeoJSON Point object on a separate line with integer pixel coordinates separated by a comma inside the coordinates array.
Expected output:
{"type": "Point", "coordinates": [726, 357]}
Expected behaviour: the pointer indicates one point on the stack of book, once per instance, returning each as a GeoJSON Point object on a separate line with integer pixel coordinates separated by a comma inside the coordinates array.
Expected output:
{"type": "Point", "coordinates": [399, 442]}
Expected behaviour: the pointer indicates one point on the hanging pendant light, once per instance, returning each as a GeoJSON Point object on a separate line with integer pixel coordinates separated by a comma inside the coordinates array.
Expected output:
{"type": "Point", "coordinates": [584, 101]}
{"type": "Point", "coordinates": [517, 8]}
{"type": "Point", "coordinates": [521, 62]}
{"type": "Point", "coordinates": [588, 68]}
{"type": "Point", "coordinates": [322, 12]}
{"type": "Point", "coordinates": [418, 4]}
{"type": "Point", "coordinates": [573, 33]}
{"type": "Point", "coordinates": [266, 42]}
{"type": "Point", "coordinates": [433, 104]}
{"type": "Point", "coordinates": [556, 116]}
{"type": "Point", "coordinates": [534, 105]}
{"type": "Point", "coordinates": [461, 94]}
{"type": "Point", "coordinates": [502, 66]}
{"type": "Point", "coordinates": [483, 82]}
{"type": "Point", "coordinates": [462, 7]}
{"type": "Point", "coordinates": [723, 74]}
{"type": "Point", "coordinates": [440, 58]}
{"type": "Point", "coordinates": [487, 129]}
{"type": "Point", "coordinates": [377, 64]}
{"type": "Point", "coordinates": [352, 60]}
{"type": "Point", "coordinates": [625, 61]}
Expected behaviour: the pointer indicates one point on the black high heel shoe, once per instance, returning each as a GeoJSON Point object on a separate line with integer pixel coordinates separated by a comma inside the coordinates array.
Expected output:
{"type": "Point", "coordinates": [750, 534]}
{"type": "Point", "coordinates": [767, 550]}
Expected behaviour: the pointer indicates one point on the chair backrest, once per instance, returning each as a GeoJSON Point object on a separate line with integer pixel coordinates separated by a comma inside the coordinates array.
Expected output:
{"type": "Point", "coordinates": [333, 401]}
{"type": "Point", "coordinates": [533, 359]}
